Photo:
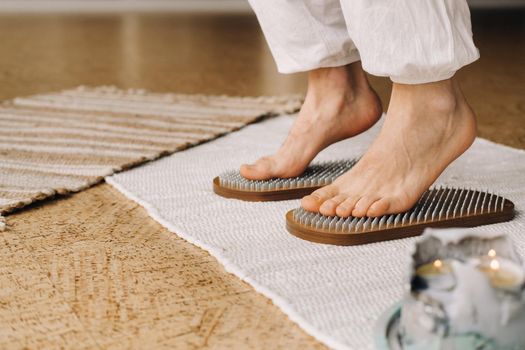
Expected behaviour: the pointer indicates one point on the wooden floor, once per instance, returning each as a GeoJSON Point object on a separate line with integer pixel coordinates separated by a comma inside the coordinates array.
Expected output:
{"type": "Point", "coordinates": [93, 270]}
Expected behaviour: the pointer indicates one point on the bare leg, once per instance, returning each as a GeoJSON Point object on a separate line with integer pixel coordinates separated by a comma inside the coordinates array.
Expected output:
{"type": "Point", "coordinates": [427, 126]}
{"type": "Point", "coordinates": [339, 104]}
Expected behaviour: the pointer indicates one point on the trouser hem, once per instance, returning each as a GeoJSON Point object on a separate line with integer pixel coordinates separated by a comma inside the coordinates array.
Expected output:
{"type": "Point", "coordinates": [351, 57]}
{"type": "Point", "coordinates": [434, 78]}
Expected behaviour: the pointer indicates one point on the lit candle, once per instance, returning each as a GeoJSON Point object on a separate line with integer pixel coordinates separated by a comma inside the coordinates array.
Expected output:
{"type": "Point", "coordinates": [502, 273]}
{"type": "Point", "coordinates": [438, 274]}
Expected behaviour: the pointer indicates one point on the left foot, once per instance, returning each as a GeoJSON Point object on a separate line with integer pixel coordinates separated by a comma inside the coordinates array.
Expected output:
{"type": "Point", "coordinates": [339, 104]}
{"type": "Point", "coordinates": [427, 127]}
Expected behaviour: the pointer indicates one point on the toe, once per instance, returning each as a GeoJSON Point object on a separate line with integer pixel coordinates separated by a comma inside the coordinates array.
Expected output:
{"type": "Point", "coordinates": [362, 205]}
{"type": "Point", "coordinates": [260, 170]}
{"type": "Point", "coordinates": [378, 208]}
{"type": "Point", "coordinates": [400, 203]}
{"type": "Point", "coordinates": [344, 209]}
{"type": "Point", "coordinates": [247, 170]}
{"type": "Point", "coordinates": [329, 206]}
{"type": "Point", "coordinates": [314, 201]}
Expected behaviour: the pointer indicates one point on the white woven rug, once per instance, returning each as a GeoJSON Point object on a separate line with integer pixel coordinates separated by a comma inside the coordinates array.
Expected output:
{"type": "Point", "coordinates": [334, 293]}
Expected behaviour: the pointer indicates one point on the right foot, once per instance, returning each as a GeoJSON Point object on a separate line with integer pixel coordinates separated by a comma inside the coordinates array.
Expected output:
{"type": "Point", "coordinates": [426, 128]}
{"type": "Point", "coordinates": [339, 104]}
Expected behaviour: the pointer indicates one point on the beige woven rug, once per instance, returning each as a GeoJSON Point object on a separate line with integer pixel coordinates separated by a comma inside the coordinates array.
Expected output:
{"type": "Point", "coordinates": [67, 141]}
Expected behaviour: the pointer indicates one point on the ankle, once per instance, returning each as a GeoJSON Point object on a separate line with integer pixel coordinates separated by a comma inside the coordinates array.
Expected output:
{"type": "Point", "coordinates": [439, 106]}
{"type": "Point", "coordinates": [337, 85]}
{"type": "Point", "coordinates": [345, 78]}
{"type": "Point", "coordinates": [358, 77]}
{"type": "Point", "coordinates": [439, 98]}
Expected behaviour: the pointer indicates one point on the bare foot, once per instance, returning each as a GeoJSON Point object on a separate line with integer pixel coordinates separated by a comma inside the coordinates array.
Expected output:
{"type": "Point", "coordinates": [339, 104]}
{"type": "Point", "coordinates": [427, 126]}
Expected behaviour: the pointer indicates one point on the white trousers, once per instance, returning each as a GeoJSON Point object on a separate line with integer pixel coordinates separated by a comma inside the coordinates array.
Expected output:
{"type": "Point", "coordinates": [410, 41]}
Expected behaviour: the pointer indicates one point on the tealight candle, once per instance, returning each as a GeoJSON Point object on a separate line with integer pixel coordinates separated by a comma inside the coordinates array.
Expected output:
{"type": "Point", "coordinates": [437, 274]}
{"type": "Point", "coordinates": [502, 273]}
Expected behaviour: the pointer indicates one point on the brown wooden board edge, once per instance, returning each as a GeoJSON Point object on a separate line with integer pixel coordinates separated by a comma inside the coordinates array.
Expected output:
{"type": "Point", "coordinates": [262, 196]}
{"type": "Point", "coordinates": [346, 239]}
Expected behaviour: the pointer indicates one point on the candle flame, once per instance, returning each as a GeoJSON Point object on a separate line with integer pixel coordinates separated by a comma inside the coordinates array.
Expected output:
{"type": "Point", "coordinates": [494, 264]}
{"type": "Point", "coordinates": [492, 253]}
{"type": "Point", "coordinates": [438, 263]}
